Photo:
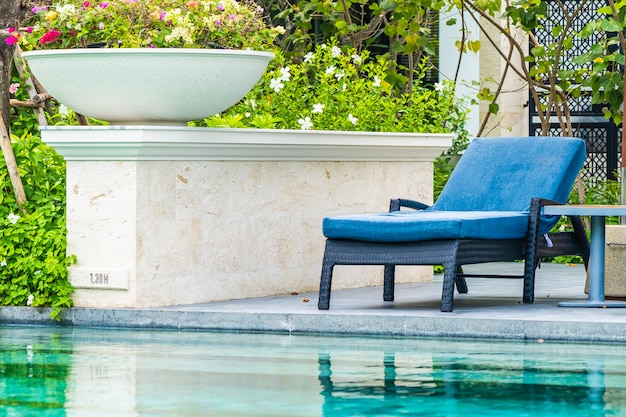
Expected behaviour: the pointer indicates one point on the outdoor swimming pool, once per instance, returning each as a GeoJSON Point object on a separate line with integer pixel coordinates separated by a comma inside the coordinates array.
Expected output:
{"type": "Point", "coordinates": [59, 371]}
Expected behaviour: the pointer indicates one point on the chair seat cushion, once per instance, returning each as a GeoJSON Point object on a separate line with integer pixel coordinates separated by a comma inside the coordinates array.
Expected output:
{"type": "Point", "coordinates": [411, 226]}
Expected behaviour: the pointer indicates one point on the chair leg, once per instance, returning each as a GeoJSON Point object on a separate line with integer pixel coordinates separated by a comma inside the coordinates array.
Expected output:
{"type": "Point", "coordinates": [530, 268]}
{"type": "Point", "coordinates": [530, 259]}
{"type": "Point", "coordinates": [447, 293]}
{"type": "Point", "coordinates": [323, 302]}
{"type": "Point", "coordinates": [461, 284]}
{"type": "Point", "coordinates": [389, 282]}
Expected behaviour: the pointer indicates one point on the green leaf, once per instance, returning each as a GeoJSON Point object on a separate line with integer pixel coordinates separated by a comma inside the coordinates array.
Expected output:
{"type": "Point", "coordinates": [556, 31]}
{"type": "Point", "coordinates": [588, 30]}
{"type": "Point", "coordinates": [610, 25]}
{"type": "Point", "coordinates": [340, 24]}
{"type": "Point", "coordinates": [473, 46]}
{"type": "Point", "coordinates": [538, 51]}
{"type": "Point", "coordinates": [605, 10]}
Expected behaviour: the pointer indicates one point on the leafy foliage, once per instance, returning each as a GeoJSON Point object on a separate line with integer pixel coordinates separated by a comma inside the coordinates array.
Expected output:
{"type": "Point", "coordinates": [399, 29]}
{"type": "Point", "coordinates": [604, 61]}
{"type": "Point", "coordinates": [597, 192]}
{"type": "Point", "coordinates": [33, 260]}
{"type": "Point", "coordinates": [149, 23]}
{"type": "Point", "coordinates": [336, 88]}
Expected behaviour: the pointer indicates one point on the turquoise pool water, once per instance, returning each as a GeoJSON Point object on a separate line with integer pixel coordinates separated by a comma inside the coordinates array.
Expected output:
{"type": "Point", "coordinates": [55, 371]}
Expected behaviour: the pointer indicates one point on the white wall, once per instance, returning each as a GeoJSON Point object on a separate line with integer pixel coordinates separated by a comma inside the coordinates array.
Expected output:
{"type": "Point", "coordinates": [469, 71]}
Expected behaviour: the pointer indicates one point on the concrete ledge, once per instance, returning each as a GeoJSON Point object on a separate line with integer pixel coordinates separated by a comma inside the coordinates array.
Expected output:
{"type": "Point", "coordinates": [491, 310]}
{"type": "Point", "coordinates": [176, 143]}
{"type": "Point", "coordinates": [330, 324]}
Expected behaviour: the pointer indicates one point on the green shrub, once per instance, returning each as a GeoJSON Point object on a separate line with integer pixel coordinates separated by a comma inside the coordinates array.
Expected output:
{"type": "Point", "coordinates": [33, 259]}
{"type": "Point", "coordinates": [338, 88]}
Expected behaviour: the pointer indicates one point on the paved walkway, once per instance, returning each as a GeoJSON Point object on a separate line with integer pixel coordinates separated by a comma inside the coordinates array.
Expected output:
{"type": "Point", "coordinates": [491, 309]}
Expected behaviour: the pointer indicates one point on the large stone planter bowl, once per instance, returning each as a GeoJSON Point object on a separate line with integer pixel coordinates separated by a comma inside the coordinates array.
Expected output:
{"type": "Point", "coordinates": [148, 86]}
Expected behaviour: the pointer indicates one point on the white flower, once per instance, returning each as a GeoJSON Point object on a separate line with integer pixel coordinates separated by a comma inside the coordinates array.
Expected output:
{"type": "Point", "coordinates": [3, 262]}
{"type": "Point", "coordinates": [344, 87]}
{"type": "Point", "coordinates": [331, 70]}
{"type": "Point", "coordinates": [318, 108]}
{"type": "Point", "coordinates": [276, 84]}
{"type": "Point", "coordinates": [30, 300]}
{"type": "Point", "coordinates": [285, 74]}
{"type": "Point", "coordinates": [308, 58]}
{"type": "Point", "coordinates": [306, 123]}
{"type": "Point", "coordinates": [352, 119]}
{"type": "Point", "coordinates": [181, 33]}
{"type": "Point", "coordinates": [339, 75]}
{"type": "Point", "coordinates": [251, 103]}
{"type": "Point", "coordinates": [376, 82]}
{"type": "Point", "coordinates": [13, 218]}
{"type": "Point", "coordinates": [439, 87]}
{"type": "Point", "coordinates": [335, 51]}
{"type": "Point", "coordinates": [66, 10]}
{"type": "Point", "coordinates": [356, 58]}
{"type": "Point", "coordinates": [248, 114]}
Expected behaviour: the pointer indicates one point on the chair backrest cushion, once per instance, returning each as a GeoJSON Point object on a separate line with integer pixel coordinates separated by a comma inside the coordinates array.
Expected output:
{"type": "Point", "coordinates": [504, 174]}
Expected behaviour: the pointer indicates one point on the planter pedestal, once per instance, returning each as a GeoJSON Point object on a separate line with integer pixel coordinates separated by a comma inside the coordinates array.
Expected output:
{"type": "Point", "coordinates": [174, 215]}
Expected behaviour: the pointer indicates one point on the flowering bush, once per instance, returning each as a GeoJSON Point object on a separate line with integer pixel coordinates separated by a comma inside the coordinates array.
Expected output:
{"type": "Point", "coordinates": [335, 89]}
{"type": "Point", "coordinates": [147, 23]}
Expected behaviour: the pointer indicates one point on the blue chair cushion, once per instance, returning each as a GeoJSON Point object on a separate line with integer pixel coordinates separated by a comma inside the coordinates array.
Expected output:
{"type": "Point", "coordinates": [487, 196]}
{"type": "Point", "coordinates": [411, 226]}
{"type": "Point", "coordinates": [506, 173]}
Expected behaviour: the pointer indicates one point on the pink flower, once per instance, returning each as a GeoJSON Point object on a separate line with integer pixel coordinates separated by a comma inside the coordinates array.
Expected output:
{"type": "Point", "coordinates": [38, 9]}
{"type": "Point", "coordinates": [14, 87]}
{"type": "Point", "coordinates": [162, 16]}
{"type": "Point", "coordinates": [29, 29]}
{"type": "Point", "coordinates": [104, 5]}
{"type": "Point", "coordinates": [14, 38]}
{"type": "Point", "coordinates": [220, 7]}
{"type": "Point", "coordinates": [101, 26]}
{"type": "Point", "coordinates": [232, 17]}
{"type": "Point", "coordinates": [86, 4]}
{"type": "Point", "coordinates": [50, 36]}
{"type": "Point", "coordinates": [218, 22]}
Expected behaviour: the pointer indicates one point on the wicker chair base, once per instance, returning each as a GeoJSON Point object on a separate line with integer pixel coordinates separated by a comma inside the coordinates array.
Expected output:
{"type": "Point", "coordinates": [452, 254]}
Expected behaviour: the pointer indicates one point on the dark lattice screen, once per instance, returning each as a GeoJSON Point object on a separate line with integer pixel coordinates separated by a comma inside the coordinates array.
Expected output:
{"type": "Point", "coordinates": [601, 135]}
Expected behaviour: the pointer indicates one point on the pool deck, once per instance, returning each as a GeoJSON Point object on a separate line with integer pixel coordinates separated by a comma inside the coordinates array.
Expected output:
{"type": "Point", "coordinates": [491, 309]}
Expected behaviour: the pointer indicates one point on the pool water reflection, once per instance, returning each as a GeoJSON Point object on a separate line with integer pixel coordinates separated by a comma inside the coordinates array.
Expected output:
{"type": "Point", "coordinates": [58, 371]}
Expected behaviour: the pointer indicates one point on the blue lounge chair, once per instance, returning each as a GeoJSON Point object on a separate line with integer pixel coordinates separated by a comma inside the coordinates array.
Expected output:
{"type": "Point", "coordinates": [489, 210]}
